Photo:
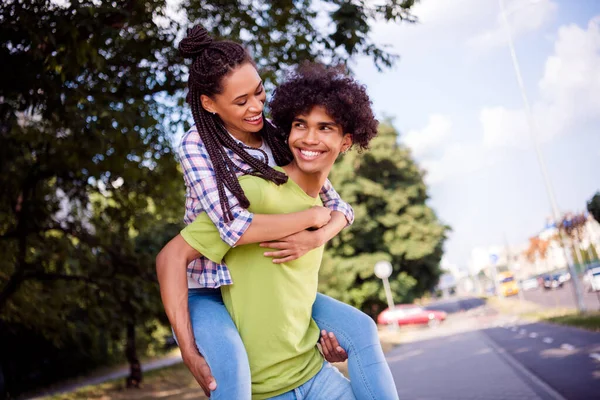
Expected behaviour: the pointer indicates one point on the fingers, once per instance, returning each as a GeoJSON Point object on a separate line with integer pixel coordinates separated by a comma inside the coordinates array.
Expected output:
{"type": "Point", "coordinates": [332, 350]}
{"type": "Point", "coordinates": [201, 371]}
{"type": "Point", "coordinates": [278, 254]}
{"type": "Point", "coordinates": [275, 245]}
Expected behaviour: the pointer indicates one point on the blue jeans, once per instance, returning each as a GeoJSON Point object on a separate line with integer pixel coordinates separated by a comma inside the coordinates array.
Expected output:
{"type": "Point", "coordinates": [219, 342]}
{"type": "Point", "coordinates": [328, 384]}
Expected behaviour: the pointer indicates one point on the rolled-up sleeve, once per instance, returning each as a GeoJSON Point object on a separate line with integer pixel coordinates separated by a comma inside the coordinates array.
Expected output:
{"type": "Point", "coordinates": [332, 200]}
{"type": "Point", "coordinates": [200, 179]}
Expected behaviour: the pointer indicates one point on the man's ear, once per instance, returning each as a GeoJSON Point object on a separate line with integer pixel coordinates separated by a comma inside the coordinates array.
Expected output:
{"type": "Point", "coordinates": [346, 142]}
{"type": "Point", "coordinates": [207, 103]}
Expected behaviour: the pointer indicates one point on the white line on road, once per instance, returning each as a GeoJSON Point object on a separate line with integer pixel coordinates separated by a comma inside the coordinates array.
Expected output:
{"type": "Point", "coordinates": [548, 340]}
{"type": "Point", "coordinates": [595, 356]}
{"type": "Point", "coordinates": [522, 332]}
{"type": "Point", "coordinates": [567, 346]}
{"type": "Point", "coordinates": [512, 361]}
{"type": "Point", "coordinates": [514, 329]}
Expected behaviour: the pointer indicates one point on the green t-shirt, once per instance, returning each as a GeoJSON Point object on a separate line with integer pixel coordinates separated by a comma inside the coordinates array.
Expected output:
{"type": "Point", "coordinates": [271, 304]}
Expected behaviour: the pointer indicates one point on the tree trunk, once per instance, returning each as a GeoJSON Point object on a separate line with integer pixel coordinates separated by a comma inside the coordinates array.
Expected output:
{"type": "Point", "coordinates": [135, 369]}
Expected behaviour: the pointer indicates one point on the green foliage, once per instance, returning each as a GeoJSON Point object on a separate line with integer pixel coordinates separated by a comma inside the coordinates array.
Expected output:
{"type": "Point", "coordinates": [593, 206]}
{"type": "Point", "coordinates": [90, 96]}
{"type": "Point", "coordinates": [392, 222]}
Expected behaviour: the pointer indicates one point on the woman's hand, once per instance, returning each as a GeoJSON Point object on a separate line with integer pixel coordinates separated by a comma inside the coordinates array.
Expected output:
{"type": "Point", "coordinates": [331, 349]}
{"type": "Point", "coordinates": [321, 216]}
{"type": "Point", "coordinates": [294, 246]}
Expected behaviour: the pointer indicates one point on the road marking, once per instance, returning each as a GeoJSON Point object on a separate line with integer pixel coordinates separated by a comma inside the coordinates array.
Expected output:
{"type": "Point", "coordinates": [512, 361]}
{"type": "Point", "coordinates": [514, 329]}
{"type": "Point", "coordinates": [548, 340]}
{"type": "Point", "coordinates": [533, 335]}
{"type": "Point", "coordinates": [567, 346]}
{"type": "Point", "coordinates": [522, 332]}
{"type": "Point", "coordinates": [595, 356]}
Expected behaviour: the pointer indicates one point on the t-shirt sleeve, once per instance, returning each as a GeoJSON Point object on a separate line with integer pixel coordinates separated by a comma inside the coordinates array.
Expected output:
{"type": "Point", "coordinates": [203, 236]}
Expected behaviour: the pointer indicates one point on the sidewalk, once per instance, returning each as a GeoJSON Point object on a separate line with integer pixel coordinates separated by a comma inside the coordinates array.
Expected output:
{"type": "Point", "coordinates": [117, 374]}
{"type": "Point", "coordinates": [462, 366]}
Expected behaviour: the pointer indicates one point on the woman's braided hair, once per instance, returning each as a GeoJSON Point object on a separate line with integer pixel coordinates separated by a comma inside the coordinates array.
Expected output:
{"type": "Point", "coordinates": [211, 62]}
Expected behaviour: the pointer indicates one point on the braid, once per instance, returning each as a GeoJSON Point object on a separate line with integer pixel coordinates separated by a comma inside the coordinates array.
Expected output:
{"type": "Point", "coordinates": [213, 60]}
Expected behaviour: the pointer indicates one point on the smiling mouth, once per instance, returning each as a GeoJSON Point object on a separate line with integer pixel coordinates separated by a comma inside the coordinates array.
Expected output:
{"type": "Point", "coordinates": [254, 120]}
{"type": "Point", "coordinates": [310, 154]}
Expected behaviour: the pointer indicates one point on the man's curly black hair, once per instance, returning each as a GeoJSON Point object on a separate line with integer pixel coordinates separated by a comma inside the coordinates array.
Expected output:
{"type": "Point", "coordinates": [345, 100]}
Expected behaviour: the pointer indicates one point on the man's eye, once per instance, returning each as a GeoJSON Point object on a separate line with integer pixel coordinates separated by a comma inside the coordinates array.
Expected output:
{"type": "Point", "coordinates": [298, 125]}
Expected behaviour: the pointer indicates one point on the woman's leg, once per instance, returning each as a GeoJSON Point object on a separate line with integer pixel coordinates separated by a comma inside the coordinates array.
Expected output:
{"type": "Point", "coordinates": [356, 332]}
{"type": "Point", "coordinates": [219, 342]}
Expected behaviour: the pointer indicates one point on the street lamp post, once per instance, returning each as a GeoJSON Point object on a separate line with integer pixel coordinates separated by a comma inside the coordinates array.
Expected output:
{"type": "Point", "coordinates": [383, 270]}
{"type": "Point", "coordinates": [549, 190]}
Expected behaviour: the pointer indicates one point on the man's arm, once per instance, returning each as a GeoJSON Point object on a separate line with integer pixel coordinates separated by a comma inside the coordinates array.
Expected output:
{"type": "Point", "coordinates": [171, 267]}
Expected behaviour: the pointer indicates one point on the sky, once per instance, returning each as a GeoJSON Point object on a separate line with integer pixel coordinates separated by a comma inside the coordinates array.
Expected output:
{"type": "Point", "coordinates": [454, 97]}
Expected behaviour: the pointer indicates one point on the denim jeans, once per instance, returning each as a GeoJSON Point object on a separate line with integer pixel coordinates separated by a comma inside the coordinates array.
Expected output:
{"type": "Point", "coordinates": [328, 384]}
{"type": "Point", "coordinates": [219, 342]}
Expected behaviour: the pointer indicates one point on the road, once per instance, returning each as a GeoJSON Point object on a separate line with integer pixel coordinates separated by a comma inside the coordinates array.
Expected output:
{"type": "Point", "coordinates": [479, 354]}
{"type": "Point", "coordinates": [562, 297]}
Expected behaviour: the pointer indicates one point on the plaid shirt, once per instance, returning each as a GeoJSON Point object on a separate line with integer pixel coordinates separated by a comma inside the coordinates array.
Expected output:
{"type": "Point", "coordinates": [202, 196]}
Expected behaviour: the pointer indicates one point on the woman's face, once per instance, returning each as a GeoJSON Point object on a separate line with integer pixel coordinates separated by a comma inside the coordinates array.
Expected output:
{"type": "Point", "coordinates": [240, 104]}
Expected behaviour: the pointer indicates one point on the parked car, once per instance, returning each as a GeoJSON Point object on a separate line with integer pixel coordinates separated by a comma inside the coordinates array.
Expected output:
{"type": "Point", "coordinates": [552, 281]}
{"type": "Point", "coordinates": [529, 284]}
{"type": "Point", "coordinates": [410, 314]}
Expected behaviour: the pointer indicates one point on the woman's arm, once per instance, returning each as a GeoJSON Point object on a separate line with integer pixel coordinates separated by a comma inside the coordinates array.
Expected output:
{"type": "Point", "coordinates": [332, 200]}
{"type": "Point", "coordinates": [245, 227]}
{"type": "Point", "coordinates": [171, 266]}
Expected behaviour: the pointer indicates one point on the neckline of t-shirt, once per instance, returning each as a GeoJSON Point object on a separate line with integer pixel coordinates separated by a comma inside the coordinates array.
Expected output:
{"type": "Point", "coordinates": [296, 186]}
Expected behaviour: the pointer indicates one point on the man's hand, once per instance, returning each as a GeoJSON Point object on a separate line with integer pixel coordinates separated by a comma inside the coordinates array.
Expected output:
{"type": "Point", "coordinates": [292, 247]}
{"type": "Point", "coordinates": [201, 371]}
{"type": "Point", "coordinates": [332, 351]}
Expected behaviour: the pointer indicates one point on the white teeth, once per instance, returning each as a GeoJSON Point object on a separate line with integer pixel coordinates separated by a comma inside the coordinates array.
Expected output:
{"type": "Point", "coordinates": [254, 118]}
{"type": "Point", "coordinates": [310, 153]}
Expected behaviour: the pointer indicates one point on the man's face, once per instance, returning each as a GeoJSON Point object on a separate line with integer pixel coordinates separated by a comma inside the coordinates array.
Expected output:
{"type": "Point", "coordinates": [316, 140]}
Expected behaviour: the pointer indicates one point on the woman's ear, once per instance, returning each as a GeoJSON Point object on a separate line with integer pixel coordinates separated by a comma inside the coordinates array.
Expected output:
{"type": "Point", "coordinates": [208, 104]}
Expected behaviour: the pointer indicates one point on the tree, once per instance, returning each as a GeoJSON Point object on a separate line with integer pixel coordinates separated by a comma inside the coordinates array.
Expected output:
{"type": "Point", "coordinates": [90, 97]}
{"type": "Point", "coordinates": [593, 206]}
{"type": "Point", "coordinates": [392, 222]}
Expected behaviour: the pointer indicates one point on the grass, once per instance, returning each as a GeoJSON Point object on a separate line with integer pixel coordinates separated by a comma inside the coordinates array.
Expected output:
{"type": "Point", "coordinates": [174, 382]}
{"type": "Point", "coordinates": [169, 383]}
{"type": "Point", "coordinates": [534, 313]}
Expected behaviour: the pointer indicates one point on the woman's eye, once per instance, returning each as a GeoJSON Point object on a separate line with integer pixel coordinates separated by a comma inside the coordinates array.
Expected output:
{"type": "Point", "coordinates": [242, 104]}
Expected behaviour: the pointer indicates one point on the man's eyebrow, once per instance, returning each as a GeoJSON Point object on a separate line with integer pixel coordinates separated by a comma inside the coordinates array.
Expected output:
{"type": "Point", "coordinates": [327, 124]}
{"type": "Point", "coordinates": [244, 95]}
{"type": "Point", "coordinates": [299, 119]}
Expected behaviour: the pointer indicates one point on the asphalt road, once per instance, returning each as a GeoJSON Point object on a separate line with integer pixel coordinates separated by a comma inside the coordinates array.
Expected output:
{"type": "Point", "coordinates": [567, 359]}
{"type": "Point", "coordinates": [479, 354]}
{"type": "Point", "coordinates": [561, 297]}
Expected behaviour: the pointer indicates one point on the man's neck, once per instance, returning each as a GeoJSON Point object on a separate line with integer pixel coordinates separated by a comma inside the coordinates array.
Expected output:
{"type": "Point", "coordinates": [310, 183]}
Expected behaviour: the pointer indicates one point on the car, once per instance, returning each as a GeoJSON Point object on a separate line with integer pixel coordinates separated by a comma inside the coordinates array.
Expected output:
{"type": "Point", "coordinates": [552, 281]}
{"type": "Point", "coordinates": [529, 284]}
{"type": "Point", "coordinates": [411, 314]}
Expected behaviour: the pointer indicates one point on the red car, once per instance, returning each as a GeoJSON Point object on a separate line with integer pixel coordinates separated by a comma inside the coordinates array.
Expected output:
{"type": "Point", "coordinates": [410, 314]}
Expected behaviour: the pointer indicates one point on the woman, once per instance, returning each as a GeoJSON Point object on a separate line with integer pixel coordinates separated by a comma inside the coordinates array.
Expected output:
{"type": "Point", "coordinates": [232, 138]}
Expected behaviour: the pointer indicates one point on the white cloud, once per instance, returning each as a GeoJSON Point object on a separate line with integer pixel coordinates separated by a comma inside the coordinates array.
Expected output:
{"type": "Point", "coordinates": [430, 137]}
{"type": "Point", "coordinates": [569, 92]}
{"type": "Point", "coordinates": [523, 16]}
{"type": "Point", "coordinates": [458, 159]}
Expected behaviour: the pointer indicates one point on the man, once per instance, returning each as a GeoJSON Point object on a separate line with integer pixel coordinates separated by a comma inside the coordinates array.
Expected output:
{"type": "Point", "coordinates": [325, 113]}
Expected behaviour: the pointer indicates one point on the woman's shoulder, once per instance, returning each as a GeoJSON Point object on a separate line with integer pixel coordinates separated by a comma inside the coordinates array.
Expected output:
{"type": "Point", "coordinates": [191, 142]}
